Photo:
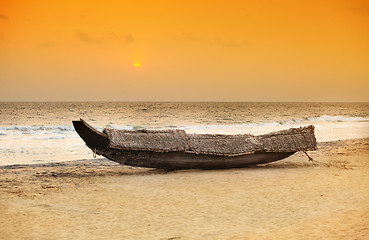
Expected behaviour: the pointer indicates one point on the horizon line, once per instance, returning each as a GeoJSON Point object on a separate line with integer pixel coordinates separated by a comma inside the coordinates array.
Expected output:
{"type": "Point", "coordinates": [172, 101]}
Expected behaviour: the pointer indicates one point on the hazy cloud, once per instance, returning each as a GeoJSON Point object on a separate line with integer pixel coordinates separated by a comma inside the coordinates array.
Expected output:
{"type": "Point", "coordinates": [105, 37]}
{"type": "Point", "coordinates": [129, 38]}
{"type": "Point", "coordinates": [232, 44]}
{"type": "Point", "coordinates": [86, 38]}
{"type": "Point", "coordinates": [4, 17]}
{"type": "Point", "coordinates": [47, 44]}
{"type": "Point", "coordinates": [188, 36]}
{"type": "Point", "coordinates": [361, 9]}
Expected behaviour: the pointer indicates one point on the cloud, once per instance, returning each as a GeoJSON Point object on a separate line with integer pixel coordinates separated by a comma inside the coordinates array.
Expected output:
{"type": "Point", "coordinates": [86, 38]}
{"type": "Point", "coordinates": [187, 36]}
{"type": "Point", "coordinates": [129, 38]}
{"type": "Point", "coordinates": [360, 9]}
{"type": "Point", "coordinates": [47, 44]}
{"type": "Point", "coordinates": [105, 37]}
{"type": "Point", "coordinates": [109, 36]}
{"type": "Point", "coordinates": [232, 44]}
{"type": "Point", "coordinates": [4, 17]}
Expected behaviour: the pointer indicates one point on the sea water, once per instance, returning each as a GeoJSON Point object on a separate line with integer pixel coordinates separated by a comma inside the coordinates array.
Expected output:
{"type": "Point", "coordinates": [37, 132]}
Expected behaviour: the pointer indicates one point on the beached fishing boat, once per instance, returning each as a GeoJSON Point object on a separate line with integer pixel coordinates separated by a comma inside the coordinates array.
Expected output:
{"type": "Point", "coordinates": [175, 149]}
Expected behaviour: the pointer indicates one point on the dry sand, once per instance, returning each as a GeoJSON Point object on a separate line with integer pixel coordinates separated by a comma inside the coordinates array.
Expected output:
{"type": "Point", "coordinates": [97, 199]}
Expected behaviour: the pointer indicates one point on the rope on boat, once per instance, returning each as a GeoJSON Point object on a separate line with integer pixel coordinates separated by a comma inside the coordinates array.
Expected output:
{"type": "Point", "coordinates": [310, 158]}
{"type": "Point", "coordinates": [94, 152]}
{"type": "Point", "coordinates": [327, 164]}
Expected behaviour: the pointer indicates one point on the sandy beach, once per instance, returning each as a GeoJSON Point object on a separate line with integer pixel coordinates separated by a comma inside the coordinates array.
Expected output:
{"type": "Point", "coordinates": [98, 199]}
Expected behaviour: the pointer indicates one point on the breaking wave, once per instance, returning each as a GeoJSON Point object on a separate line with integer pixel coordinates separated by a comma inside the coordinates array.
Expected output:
{"type": "Point", "coordinates": [14, 130]}
{"type": "Point", "coordinates": [328, 118]}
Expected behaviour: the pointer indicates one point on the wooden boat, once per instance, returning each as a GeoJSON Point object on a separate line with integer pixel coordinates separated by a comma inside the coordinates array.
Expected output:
{"type": "Point", "coordinates": [175, 149]}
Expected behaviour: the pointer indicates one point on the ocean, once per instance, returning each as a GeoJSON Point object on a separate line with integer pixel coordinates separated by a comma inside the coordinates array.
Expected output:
{"type": "Point", "coordinates": [41, 132]}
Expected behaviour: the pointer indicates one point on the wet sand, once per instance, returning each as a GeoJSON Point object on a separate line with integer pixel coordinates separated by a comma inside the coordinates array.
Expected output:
{"type": "Point", "coordinates": [98, 199]}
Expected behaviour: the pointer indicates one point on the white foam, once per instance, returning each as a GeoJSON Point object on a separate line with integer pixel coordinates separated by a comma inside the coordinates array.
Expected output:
{"type": "Point", "coordinates": [37, 130]}
{"type": "Point", "coordinates": [328, 118]}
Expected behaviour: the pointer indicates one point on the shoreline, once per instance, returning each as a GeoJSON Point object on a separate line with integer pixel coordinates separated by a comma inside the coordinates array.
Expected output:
{"type": "Point", "coordinates": [99, 199]}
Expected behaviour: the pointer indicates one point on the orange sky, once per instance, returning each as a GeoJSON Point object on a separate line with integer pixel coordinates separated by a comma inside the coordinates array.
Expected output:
{"type": "Point", "coordinates": [265, 50]}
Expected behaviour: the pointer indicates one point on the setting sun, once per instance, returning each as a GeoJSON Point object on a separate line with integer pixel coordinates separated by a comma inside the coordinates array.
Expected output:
{"type": "Point", "coordinates": [137, 64]}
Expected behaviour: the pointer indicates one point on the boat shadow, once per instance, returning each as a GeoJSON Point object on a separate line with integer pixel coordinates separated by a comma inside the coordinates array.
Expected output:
{"type": "Point", "coordinates": [133, 171]}
{"type": "Point", "coordinates": [122, 170]}
{"type": "Point", "coordinates": [104, 168]}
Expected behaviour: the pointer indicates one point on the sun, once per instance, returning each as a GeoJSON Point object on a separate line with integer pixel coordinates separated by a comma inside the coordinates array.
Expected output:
{"type": "Point", "coordinates": [137, 64]}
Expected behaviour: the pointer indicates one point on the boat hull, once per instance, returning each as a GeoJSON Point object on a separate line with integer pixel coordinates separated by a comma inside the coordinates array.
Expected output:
{"type": "Point", "coordinates": [183, 160]}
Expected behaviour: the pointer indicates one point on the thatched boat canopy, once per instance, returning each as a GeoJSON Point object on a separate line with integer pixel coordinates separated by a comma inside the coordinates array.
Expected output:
{"type": "Point", "coordinates": [291, 140]}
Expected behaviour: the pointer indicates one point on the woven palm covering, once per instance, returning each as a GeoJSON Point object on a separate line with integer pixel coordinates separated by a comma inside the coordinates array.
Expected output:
{"type": "Point", "coordinates": [291, 140]}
